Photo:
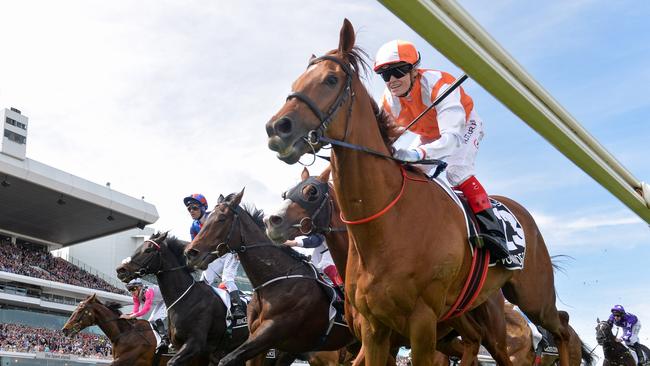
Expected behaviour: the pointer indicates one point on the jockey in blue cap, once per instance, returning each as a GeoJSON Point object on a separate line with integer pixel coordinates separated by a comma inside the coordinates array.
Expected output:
{"type": "Point", "coordinates": [224, 267]}
{"type": "Point", "coordinates": [631, 327]}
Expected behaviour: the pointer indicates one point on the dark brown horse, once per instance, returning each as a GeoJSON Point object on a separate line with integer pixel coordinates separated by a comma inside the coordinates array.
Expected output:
{"type": "Point", "coordinates": [197, 315]}
{"type": "Point", "coordinates": [289, 309]}
{"type": "Point", "coordinates": [411, 257]}
{"type": "Point", "coordinates": [133, 341]}
{"type": "Point", "coordinates": [616, 354]}
{"type": "Point", "coordinates": [310, 207]}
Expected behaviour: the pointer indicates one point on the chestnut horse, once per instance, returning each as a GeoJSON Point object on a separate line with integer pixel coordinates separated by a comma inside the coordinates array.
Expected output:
{"type": "Point", "coordinates": [133, 341]}
{"type": "Point", "coordinates": [520, 342]}
{"type": "Point", "coordinates": [411, 257]}
{"type": "Point", "coordinates": [289, 309]}
{"type": "Point", "coordinates": [310, 207]}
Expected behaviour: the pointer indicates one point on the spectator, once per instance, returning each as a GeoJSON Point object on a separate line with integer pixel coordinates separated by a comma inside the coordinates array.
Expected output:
{"type": "Point", "coordinates": [41, 264]}
{"type": "Point", "coordinates": [23, 338]}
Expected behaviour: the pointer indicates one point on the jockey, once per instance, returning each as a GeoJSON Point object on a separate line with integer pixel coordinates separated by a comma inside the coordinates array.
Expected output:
{"type": "Point", "coordinates": [451, 131]}
{"type": "Point", "coordinates": [631, 327]}
{"type": "Point", "coordinates": [321, 257]}
{"type": "Point", "coordinates": [149, 297]}
{"type": "Point", "coordinates": [225, 266]}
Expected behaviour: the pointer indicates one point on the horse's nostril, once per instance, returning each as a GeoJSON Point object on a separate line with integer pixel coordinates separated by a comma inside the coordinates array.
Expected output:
{"type": "Point", "coordinates": [192, 253]}
{"type": "Point", "coordinates": [283, 126]}
{"type": "Point", "coordinates": [275, 220]}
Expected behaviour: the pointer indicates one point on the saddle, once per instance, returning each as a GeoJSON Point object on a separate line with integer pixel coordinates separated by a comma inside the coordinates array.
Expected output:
{"type": "Point", "coordinates": [547, 345]}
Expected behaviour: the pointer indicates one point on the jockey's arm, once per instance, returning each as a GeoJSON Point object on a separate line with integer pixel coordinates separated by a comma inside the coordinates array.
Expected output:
{"type": "Point", "coordinates": [451, 122]}
{"type": "Point", "coordinates": [311, 241]}
{"type": "Point", "coordinates": [148, 296]}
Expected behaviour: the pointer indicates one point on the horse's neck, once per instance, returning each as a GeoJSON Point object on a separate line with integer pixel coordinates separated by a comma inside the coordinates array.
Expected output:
{"type": "Point", "coordinates": [266, 262]}
{"type": "Point", "coordinates": [365, 184]}
{"type": "Point", "coordinates": [174, 283]}
{"type": "Point", "coordinates": [107, 323]}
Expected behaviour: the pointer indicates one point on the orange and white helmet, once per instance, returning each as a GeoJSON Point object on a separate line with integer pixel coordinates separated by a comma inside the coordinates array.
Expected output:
{"type": "Point", "coordinates": [396, 51]}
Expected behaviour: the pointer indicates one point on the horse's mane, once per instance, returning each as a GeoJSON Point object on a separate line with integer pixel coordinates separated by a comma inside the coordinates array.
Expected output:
{"type": "Point", "coordinates": [114, 307]}
{"type": "Point", "coordinates": [256, 214]}
{"type": "Point", "coordinates": [175, 245]}
{"type": "Point", "coordinates": [293, 253]}
{"type": "Point", "coordinates": [389, 130]}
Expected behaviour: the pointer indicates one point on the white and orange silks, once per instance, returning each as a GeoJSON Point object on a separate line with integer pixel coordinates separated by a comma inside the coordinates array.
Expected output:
{"type": "Point", "coordinates": [452, 131]}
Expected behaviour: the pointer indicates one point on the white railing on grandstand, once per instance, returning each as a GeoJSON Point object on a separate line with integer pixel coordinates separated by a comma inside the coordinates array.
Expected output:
{"type": "Point", "coordinates": [90, 269]}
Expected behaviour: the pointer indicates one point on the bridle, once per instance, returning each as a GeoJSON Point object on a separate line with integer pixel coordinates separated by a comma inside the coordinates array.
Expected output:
{"type": "Point", "coordinates": [314, 136]}
{"type": "Point", "coordinates": [145, 268]}
{"type": "Point", "coordinates": [323, 204]}
{"type": "Point", "coordinates": [237, 211]}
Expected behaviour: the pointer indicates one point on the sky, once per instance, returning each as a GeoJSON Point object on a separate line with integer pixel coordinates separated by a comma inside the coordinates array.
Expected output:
{"type": "Point", "coordinates": [167, 98]}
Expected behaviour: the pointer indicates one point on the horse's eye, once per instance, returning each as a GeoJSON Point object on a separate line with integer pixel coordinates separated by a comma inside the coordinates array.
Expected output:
{"type": "Point", "coordinates": [221, 218]}
{"type": "Point", "coordinates": [311, 193]}
{"type": "Point", "coordinates": [331, 80]}
{"type": "Point", "coordinates": [148, 250]}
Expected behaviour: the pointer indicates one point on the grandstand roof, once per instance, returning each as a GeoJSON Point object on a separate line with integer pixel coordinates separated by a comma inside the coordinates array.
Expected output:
{"type": "Point", "coordinates": [43, 204]}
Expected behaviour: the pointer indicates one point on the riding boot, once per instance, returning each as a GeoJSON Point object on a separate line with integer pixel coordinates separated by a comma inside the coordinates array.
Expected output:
{"type": "Point", "coordinates": [491, 234]}
{"type": "Point", "coordinates": [164, 339]}
{"type": "Point", "coordinates": [237, 307]}
{"type": "Point", "coordinates": [639, 353]}
{"type": "Point", "coordinates": [336, 279]}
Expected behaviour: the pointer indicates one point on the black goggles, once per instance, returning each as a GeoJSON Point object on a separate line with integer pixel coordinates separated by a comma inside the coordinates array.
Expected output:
{"type": "Point", "coordinates": [397, 72]}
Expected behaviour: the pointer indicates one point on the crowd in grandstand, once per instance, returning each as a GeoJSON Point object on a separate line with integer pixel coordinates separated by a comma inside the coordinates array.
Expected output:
{"type": "Point", "coordinates": [25, 261]}
{"type": "Point", "coordinates": [22, 338]}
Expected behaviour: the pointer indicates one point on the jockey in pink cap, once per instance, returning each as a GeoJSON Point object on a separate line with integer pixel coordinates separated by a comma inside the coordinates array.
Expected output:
{"type": "Point", "coordinates": [451, 131]}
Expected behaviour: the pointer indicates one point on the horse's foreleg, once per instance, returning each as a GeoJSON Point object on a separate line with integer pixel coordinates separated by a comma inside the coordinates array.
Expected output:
{"type": "Point", "coordinates": [190, 349]}
{"type": "Point", "coordinates": [259, 341]}
{"type": "Point", "coordinates": [470, 334]}
{"type": "Point", "coordinates": [423, 333]}
{"type": "Point", "coordinates": [375, 344]}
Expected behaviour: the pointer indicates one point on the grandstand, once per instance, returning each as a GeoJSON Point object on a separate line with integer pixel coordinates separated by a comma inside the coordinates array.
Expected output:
{"type": "Point", "coordinates": [43, 209]}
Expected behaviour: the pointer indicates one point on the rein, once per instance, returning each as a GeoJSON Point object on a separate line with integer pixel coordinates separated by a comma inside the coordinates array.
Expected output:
{"type": "Point", "coordinates": [405, 177]}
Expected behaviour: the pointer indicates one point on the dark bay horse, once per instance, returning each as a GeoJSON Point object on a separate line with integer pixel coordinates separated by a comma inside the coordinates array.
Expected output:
{"type": "Point", "coordinates": [615, 352]}
{"type": "Point", "coordinates": [133, 342]}
{"type": "Point", "coordinates": [196, 314]}
{"type": "Point", "coordinates": [289, 308]}
{"type": "Point", "coordinates": [411, 257]}
{"type": "Point", "coordinates": [310, 207]}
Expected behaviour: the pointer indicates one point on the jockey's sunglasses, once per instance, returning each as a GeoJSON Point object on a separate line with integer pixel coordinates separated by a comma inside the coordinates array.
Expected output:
{"type": "Point", "coordinates": [193, 208]}
{"type": "Point", "coordinates": [397, 72]}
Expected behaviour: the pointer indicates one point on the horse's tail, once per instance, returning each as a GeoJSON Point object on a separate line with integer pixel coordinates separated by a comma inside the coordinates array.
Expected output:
{"type": "Point", "coordinates": [558, 260]}
{"type": "Point", "coordinates": [586, 354]}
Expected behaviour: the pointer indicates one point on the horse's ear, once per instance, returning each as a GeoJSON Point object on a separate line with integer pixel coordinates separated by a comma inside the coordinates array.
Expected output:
{"type": "Point", "coordinates": [162, 237]}
{"type": "Point", "coordinates": [325, 175]}
{"type": "Point", "coordinates": [346, 37]}
{"type": "Point", "coordinates": [305, 174]}
{"type": "Point", "coordinates": [597, 320]}
{"type": "Point", "coordinates": [93, 297]}
{"type": "Point", "coordinates": [221, 198]}
{"type": "Point", "coordinates": [312, 58]}
{"type": "Point", "coordinates": [237, 199]}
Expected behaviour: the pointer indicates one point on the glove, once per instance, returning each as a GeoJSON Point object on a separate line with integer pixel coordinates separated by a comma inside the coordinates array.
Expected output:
{"type": "Point", "coordinates": [409, 155]}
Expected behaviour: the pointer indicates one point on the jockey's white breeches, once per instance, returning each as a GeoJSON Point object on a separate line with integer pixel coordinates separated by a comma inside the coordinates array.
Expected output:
{"type": "Point", "coordinates": [159, 312]}
{"type": "Point", "coordinates": [225, 268]}
{"type": "Point", "coordinates": [321, 257]}
{"type": "Point", "coordinates": [460, 165]}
